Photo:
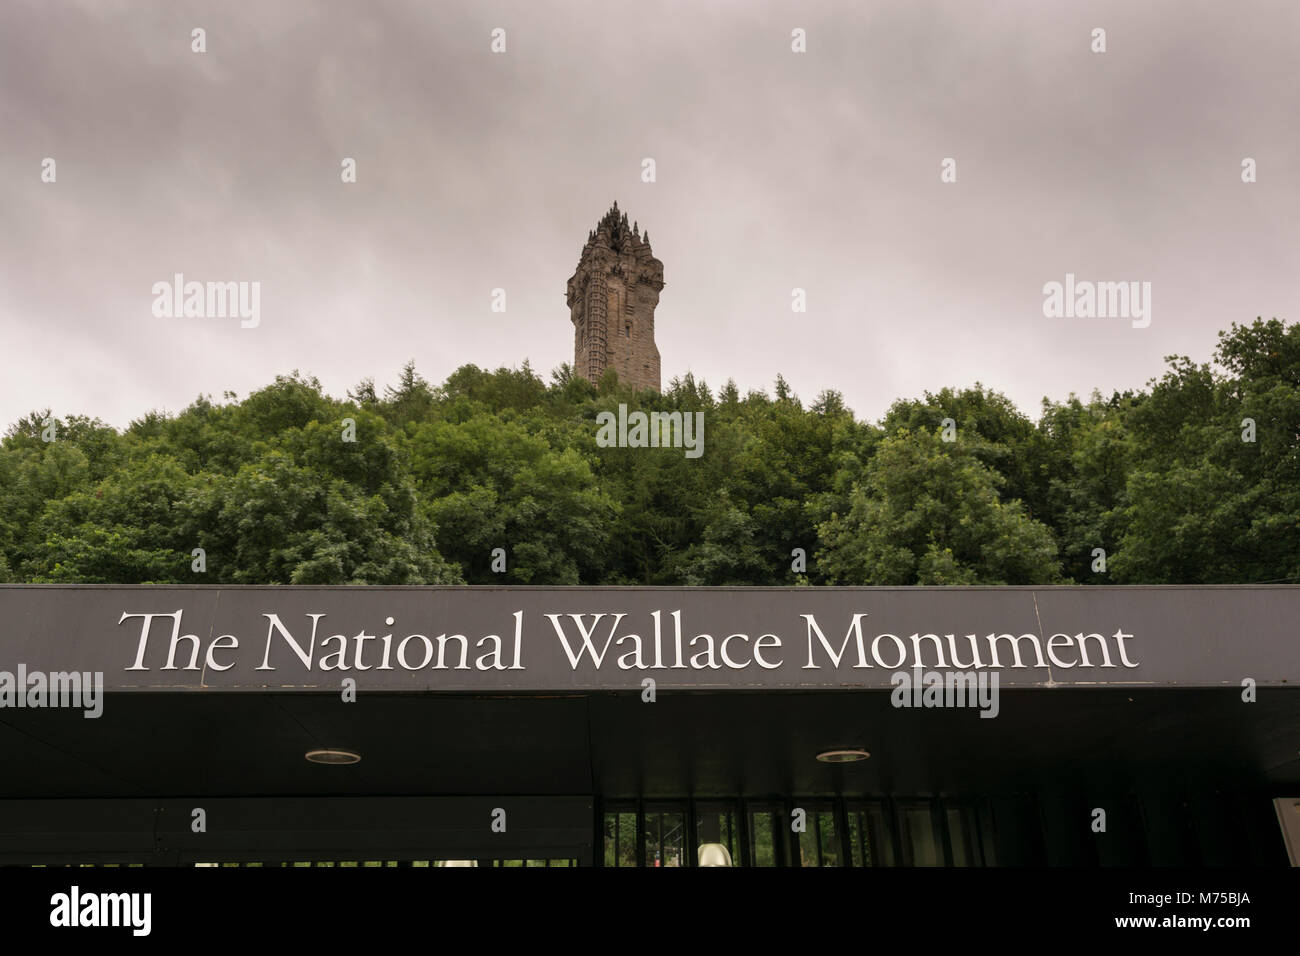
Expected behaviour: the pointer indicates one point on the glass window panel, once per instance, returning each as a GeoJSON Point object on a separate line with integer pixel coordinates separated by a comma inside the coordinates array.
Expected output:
{"type": "Point", "coordinates": [764, 834]}
{"type": "Point", "coordinates": [819, 843]}
{"type": "Point", "coordinates": [665, 837]}
{"type": "Point", "coordinates": [859, 851]}
{"type": "Point", "coordinates": [920, 843]}
{"type": "Point", "coordinates": [620, 838]}
{"type": "Point", "coordinates": [871, 840]}
{"type": "Point", "coordinates": [610, 828]}
{"type": "Point", "coordinates": [627, 839]}
{"type": "Point", "coordinates": [961, 834]}
{"type": "Point", "coordinates": [879, 831]}
{"type": "Point", "coordinates": [717, 825]}
{"type": "Point", "coordinates": [832, 852]}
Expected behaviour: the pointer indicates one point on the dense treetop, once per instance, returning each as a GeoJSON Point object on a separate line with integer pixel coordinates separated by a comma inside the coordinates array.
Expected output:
{"type": "Point", "coordinates": [1165, 480]}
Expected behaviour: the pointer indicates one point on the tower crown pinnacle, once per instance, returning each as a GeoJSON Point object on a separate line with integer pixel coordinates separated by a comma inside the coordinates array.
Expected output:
{"type": "Point", "coordinates": [612, 297]}
{"type": "Point", "coordinates": [615, 232]}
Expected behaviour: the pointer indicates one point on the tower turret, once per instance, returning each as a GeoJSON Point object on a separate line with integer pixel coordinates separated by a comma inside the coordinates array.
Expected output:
{"type": "Point", "coordinates": [612, 298]}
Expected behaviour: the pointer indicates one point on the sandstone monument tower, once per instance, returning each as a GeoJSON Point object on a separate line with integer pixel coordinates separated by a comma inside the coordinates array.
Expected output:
{"type": "Point", "coordinates": [612, 298]}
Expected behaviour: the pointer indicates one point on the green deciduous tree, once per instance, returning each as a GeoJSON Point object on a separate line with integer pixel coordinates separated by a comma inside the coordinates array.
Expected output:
{"type": "Point", "coordinates": [929, 512]}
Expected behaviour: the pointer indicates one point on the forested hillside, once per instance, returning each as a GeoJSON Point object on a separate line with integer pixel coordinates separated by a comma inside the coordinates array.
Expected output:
{"type": "Point", "coordinates": [427, 481]}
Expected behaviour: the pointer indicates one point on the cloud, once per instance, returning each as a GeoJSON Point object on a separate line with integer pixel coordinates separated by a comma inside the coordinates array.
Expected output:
{"type": "Point", "coordinates": [775, 170]}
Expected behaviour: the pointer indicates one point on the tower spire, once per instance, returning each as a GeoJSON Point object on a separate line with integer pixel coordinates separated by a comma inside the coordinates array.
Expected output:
{"type": "Point", "coordinates": [612, 298]}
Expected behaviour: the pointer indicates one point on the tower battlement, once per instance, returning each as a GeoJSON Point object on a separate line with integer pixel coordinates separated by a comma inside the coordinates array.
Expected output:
{"type": "Point", "coordinates": [612, 297]}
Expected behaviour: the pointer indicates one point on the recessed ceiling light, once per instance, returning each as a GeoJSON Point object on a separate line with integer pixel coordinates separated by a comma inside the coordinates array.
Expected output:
{"type": "Point", "coordinates": [333, 756]}
{"type": "Point", "coordinates": [842, 756]}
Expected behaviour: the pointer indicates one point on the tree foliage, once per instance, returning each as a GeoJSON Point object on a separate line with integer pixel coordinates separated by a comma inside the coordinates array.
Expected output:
{"type": "Point", "coordinates": [498, 477]}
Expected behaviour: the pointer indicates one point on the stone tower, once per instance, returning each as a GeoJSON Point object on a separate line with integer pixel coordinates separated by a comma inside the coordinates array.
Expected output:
{"type": "Point", "coordinates": [612, 298]}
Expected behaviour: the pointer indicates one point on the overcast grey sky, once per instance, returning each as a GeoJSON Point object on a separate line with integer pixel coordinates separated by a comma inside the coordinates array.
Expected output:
{"type": "Point", "coordinates": [775, 170]}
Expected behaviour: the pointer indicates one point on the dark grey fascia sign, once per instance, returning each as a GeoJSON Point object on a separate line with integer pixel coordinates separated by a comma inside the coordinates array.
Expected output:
{"type": "Point", "coordinates": [543, 639]}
